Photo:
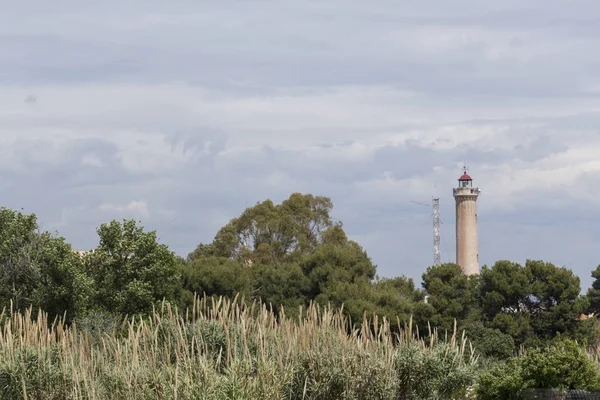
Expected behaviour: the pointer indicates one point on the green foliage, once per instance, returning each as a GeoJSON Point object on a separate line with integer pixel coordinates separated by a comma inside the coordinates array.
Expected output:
{"type": "Point", "coordinates": [335, 371]}
{"type": "Point", "coordinates": [131, 271]}
{"type": "Point", "coordinates": [440, 374]}
{"type": "Point", "coordinates": [503, 287]}
{"type": "Point", "coordinates": [452, 295]}
{"type": "Point", "coordinates": [19, 250]}
{"type": "Point", "coordinates": [288, 255]}
{"type": "Point", "coordinates": [21, 376]}
{"type": "Point", "coordinates": [279, 286]}
{"type": "Point", "coordinates": [593, 293]}
{"type": "Point", "coordinates": [553, 303]}
{"type": "Point", "coordinates": [490, 342]}
{"type": "Point", "coordinates": [330, 264]}
{"type": "Point", "coordinates": [562, 365]}
{"type": "Point", "coordinates": [214, 276]}
{"type": "Point", "coordinates": [38, 270]}
{"type": "Point", "coordinates": [229, 350]}
{"type": "Point", "coordinates": [269, 233]}
{"type": "Point", "coordinates": [503, 381]}
{"type": "Point", "coordinates": [97, 324]}
{"type": "Point", "coordinates": [531, 302]}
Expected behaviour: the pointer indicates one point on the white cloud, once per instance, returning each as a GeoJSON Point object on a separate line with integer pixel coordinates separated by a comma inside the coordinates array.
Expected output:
{"type": "Point", "coordinates": [135, 207]}
{"type": "Point", "coordinates": [202, 109]}
{"type": "Point", "coordinates": [91, 160]}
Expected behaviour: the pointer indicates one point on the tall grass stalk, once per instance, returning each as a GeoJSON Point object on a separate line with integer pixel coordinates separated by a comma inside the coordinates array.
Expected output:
{"type": "Point", "coordinates": [227, 349]}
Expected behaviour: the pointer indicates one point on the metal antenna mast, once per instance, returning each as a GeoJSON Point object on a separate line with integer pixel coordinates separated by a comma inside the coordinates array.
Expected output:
{"type": "Point", "coordinates": [436, 231]}
{"type": "Point", "coordinates": [436, 228]}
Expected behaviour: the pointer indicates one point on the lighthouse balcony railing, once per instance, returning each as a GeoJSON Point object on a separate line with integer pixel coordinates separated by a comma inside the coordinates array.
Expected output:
{"type": "Point", "coordinates": [468, 191]}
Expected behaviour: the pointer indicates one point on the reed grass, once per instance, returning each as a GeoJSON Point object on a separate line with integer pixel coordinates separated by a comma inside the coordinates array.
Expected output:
{"type": "Point", "coordinates": [227, 349]}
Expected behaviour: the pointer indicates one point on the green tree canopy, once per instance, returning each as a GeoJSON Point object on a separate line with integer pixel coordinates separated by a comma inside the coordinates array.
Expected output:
{"type": "Point", "coordinates": [593, 293]}
{"type": "Point", "coordinates": [554, 302]}
{"type": "Point", "coordinates": [503, 291]}
{"type": "Point", "coordinates": [131, 270]}
{"type": "Point", "coordinates": [289, 254]}
{"type": "Point", "coordinates": [37, 269]}
{"type": "Point", "coordinates": [268, 233]}
{"type": "Point", "coordinates": [451, 294]}
{"type": "Point", "coordinates": [537, 300]}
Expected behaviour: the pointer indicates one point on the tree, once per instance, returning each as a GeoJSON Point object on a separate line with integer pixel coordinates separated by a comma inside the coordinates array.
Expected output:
{"type": "Point", "coordinates": [213, 276]}
{"type": "Point", "coordinates": [503, 291]}
{"type": "Point", "coordinates": [503, 288]}
{"type": "Point", "coordinates": [131, 270]}
{"type": "Point", "coordinates": [38, 270]}
{"type": "Point", "coordinates": [66, 287]}
{"type": "Point", "coordinates": [280, 286]}
{"type": "Point", "coordinates": [593, 293]}
{"type": "Point", "coordinates": [19, 249]}
{"type": "Point", "coordinates": [553, 302]}
{"type": "Point", "coordinates": [343, 261]}
{"type": "Point", "coordinates": [393, 298]}
{"type": "Point", "coordinates": [533, 302]}
{"type": "Point", "coordinates": [293, 253]}
{"type": "Point", "coordinates": [490, 342]}
{"type": "Point", "coordinates": [452, 295]}
{"type": "Point", "coordinates": [269, 233]}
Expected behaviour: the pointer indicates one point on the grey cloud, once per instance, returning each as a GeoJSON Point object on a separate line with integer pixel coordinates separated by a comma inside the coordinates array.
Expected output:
{"type": "Point", "coordinates": [200, 201]}
{"type": "Point", "coordinates": [462, 58]}
{"type": "Point", "coordinates": [411, 160]}
{"type": "Point", "coordinates": [202, 142]}
{"type": "Point", "coordinates": [260, 47]}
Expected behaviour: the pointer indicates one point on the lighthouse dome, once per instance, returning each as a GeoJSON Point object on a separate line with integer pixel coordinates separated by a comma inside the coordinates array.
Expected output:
{"type": "Point", "coordinates": [465, 177]}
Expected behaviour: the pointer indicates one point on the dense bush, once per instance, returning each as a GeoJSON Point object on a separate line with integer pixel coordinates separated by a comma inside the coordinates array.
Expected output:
{"type": "Point", "coordinates": [564, 365]}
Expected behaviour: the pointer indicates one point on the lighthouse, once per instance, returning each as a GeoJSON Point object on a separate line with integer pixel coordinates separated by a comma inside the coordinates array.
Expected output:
{"type": "Point", "coordinates": [467, 242]}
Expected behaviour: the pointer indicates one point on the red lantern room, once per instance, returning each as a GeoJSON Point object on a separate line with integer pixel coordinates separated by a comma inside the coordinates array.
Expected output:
{"type": "Point", "coordinates": [465, 180]}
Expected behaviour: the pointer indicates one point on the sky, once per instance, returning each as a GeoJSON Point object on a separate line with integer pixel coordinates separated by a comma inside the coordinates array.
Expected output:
{"type": "Point", "coordinates": [180, 114]}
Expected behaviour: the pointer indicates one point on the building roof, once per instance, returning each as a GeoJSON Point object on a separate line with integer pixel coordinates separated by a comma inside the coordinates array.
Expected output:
{"type": "Point", "coordinates": [465, 177]}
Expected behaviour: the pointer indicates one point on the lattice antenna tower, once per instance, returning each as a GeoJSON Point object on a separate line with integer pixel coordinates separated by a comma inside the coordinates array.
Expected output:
{"type": "Point", "coordinates": [436, 227]}
{"type": "Point", "coordinates": [436, 230]}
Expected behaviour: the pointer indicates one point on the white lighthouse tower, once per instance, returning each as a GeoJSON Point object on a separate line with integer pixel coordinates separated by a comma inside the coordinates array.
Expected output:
{"type": "Point", "coordinates": [467, 241]}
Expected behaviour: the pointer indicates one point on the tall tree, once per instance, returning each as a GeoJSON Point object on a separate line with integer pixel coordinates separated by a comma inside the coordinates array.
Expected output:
{"type": "Point", "coordinates": [343, 261]}
{"type": "Point", "coordinates": [268, 233]}
{"type": "Point", "coordinates": [294, 253]}
{"type": "Point", "coordinates": [503, 291]}
{"type": "Point", "coordinates": [537, 300]}
{"type": "Point", "coordinates": [213, 276]}
{"type": "Point", "coordinates": [37, 269]}
{"type": "Point", "coordinates": [593, 293]}
{"type": "Point", "coordinates": [554, 302]}
{"type": "Point", "coordinates": [452, 295]}
{"type": "Point", "coordinates": [131, 270]}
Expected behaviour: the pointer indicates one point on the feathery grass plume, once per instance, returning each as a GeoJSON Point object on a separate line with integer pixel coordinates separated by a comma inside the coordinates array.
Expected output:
{"type": "Point", "coordinates": [228, 349]}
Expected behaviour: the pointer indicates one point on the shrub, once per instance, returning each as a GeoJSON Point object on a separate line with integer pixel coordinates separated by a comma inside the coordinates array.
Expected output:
{"type": "Point", "coordinates": [502, 381]}
{"type": "Point", "coordinates": [440, 373]}
{"type": "Point", "coordinates": [563, 365]}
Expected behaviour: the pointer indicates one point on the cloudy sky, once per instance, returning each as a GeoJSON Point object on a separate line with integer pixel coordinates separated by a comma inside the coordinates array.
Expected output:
{"type": "Point", "coordinates": [182, 113]}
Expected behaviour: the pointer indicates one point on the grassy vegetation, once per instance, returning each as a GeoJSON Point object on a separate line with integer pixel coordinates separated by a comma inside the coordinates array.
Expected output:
{"type": "Point", "coordinates": [222, 349]}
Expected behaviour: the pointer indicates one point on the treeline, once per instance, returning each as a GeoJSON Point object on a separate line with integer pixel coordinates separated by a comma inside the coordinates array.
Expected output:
{"type": "Point", "coordinates": [288, 255]}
